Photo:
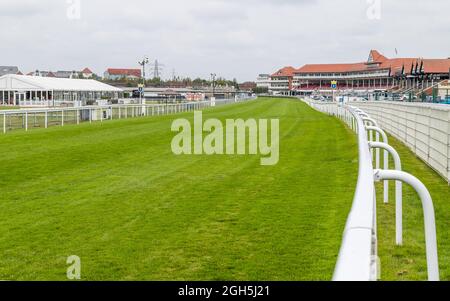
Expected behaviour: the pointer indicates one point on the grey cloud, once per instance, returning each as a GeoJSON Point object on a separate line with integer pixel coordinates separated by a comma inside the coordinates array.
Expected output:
{"type": "Point", "coordinates": [234, 38]}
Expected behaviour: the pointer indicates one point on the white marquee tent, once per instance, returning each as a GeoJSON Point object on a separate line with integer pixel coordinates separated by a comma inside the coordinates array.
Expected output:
{"type": "Point", "coordinates": [17, 89]}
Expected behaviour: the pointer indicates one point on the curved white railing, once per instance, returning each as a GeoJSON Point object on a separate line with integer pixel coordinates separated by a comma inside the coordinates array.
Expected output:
{"type": "Point", "coordinates": [358, 257]}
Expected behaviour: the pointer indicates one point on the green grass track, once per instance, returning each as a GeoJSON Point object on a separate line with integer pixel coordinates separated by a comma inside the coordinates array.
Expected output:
{"type": "Point", "coordinates": [113, 194]}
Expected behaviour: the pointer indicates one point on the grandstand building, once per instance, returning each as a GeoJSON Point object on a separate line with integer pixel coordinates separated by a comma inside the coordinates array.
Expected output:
{"type": "Point", "coordinates": [377, 74]}
{"type": "Point", "coordinates": [263, 81]}
{"type": "Point", "coordinates": [281, 81]}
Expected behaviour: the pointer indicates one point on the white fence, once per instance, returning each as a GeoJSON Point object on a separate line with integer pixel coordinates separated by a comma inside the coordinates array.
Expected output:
{"type": "Point", "coordinates": [358, 257]}
{"type": "Point", "coordinates": [27, 119]}
{"type": "Point", "coordinates": [424, 128]}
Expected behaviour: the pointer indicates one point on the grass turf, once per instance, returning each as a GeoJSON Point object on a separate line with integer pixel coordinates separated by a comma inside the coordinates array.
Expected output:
{"type": "Point", "coordinates": [116, 196]}
{"type": "Point", "coordinates": [409, 262]}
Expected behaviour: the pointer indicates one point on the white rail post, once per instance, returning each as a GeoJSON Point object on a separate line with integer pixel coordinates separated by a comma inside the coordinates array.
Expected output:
{"type": "Point", "coordinates": [78, 116]}
{"type": "Point", "coordinates": [398, 190]}
{"type": "Point", "coordinates": [367, 119]}
{"type": "Point", "coordinates": [46, 119]}
{"type": "Point", "coordinates": [386, 158]}
{"type": "Point", "coordinates": [428, 212]}
{"type": "Point", "coordinates": [62, 117]}
{"type": "Point", "coordinates": [4, 123]}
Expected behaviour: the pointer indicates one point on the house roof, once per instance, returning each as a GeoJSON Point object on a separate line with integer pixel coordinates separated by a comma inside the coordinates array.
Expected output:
{"type": "Point", "coordinates": [436, 65]}
{"type": "Point", "coordinates": [325, 68]}
{"type": "Point", "coordinates": [375, 56]}
{"type": "Point", "coordinates": [25, 82]}
{"type": "Point", "coordinates": [124, 72]}
{"type": "Point", "coordinates": [285, 72]}
{"type": "Point", "coordinates": [86, 71]}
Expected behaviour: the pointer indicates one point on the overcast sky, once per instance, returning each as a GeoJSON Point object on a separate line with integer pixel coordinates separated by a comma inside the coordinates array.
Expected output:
{"type": "Point", "coordinates": [233, 38]}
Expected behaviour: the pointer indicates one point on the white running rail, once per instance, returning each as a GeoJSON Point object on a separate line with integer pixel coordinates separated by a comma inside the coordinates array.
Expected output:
{"type": "Point", "coordinates": [358, 257]}
{"type": "Point", "coordinates": [27, 119]}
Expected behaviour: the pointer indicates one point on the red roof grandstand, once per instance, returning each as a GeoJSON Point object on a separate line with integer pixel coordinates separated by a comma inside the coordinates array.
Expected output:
{"type": "Point", "coordinates": [285, 72]}
{"type": "Point", "coordinates": [378, 61]}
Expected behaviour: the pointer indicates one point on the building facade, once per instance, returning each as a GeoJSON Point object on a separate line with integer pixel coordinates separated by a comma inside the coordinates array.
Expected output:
{"type": "Point", "coordinates": [281, 82]}
{"type": "Point", "coordinates": [247, 86]}
{"type": "Point", "coordinates": [263, 81]}
{"type": "Point", "coordinates": [86, 74]}
{"type": "Point", "coordinates": [377, 74]}
{"type": "Point", "coordinates": [117, 74]}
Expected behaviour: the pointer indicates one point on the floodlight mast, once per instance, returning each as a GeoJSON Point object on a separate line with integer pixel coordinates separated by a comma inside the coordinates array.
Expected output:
{"type": "Point", "coordinates": [213, 77]}
{"type": "Point", "coordinates": [143, 63]}
{"type": "Point", "coordinates": [141, 91]}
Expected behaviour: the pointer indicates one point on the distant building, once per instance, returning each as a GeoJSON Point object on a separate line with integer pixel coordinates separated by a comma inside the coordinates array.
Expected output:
{"type": "Point", "coordinates": [86, 73]}
{"type": "Point", "coordinates": [115, 74]}
{"type": "Point", "coordinates": [263, 81]}
{"type": "Point", "coordinates": [247, 86]}
{"type": "Point", "coordinates": [8, 70]}
{"type": "Point", "coordinates": [66, 74]}
{"type": "Point", "coordinates": [43, 73]}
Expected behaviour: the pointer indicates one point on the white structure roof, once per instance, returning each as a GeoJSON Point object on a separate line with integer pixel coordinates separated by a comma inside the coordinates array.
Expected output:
{"type": "Point", "coordinates": [12, 82]}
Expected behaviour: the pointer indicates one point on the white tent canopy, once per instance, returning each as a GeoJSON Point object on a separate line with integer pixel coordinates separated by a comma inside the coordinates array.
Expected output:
{"type": "Point", "coordinates": [35, 90]}
{"type": "Point", "coordinates": [12, 82]}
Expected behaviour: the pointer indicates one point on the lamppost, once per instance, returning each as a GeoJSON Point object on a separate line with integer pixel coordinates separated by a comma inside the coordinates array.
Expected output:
{"type": "Point", "coordinates": [213, 77]}
{"type": "Point", "coordinates": [142, 63]}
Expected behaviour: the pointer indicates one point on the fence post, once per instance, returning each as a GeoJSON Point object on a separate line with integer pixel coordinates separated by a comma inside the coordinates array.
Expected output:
{"type": "Point", "coordinates": [386, 158]}
{"type": "Point", "coordinates": [4, 123]}
{"type": "Point", "coordinates": [26, 121]}
{"type": "Point", "coordinates": [62, 117]}
{"type": "Point", "coordinates": [398, 190]}
{"type": "Point", "coordinates": [78, 116]}
{"type": "Point", "coordinates": [428, 212]}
